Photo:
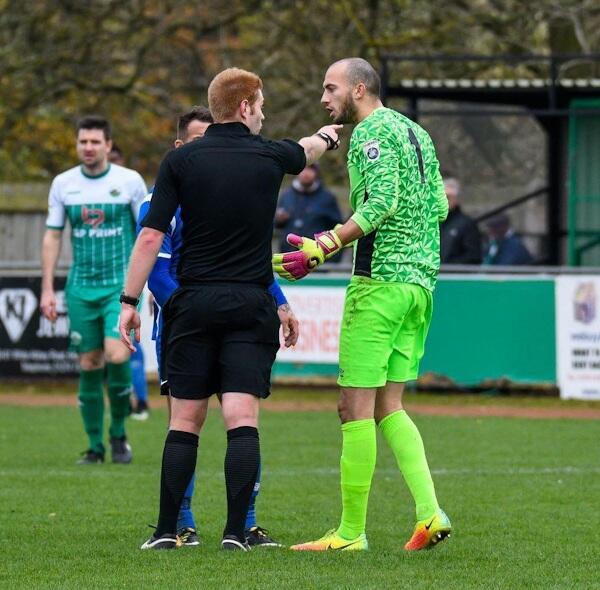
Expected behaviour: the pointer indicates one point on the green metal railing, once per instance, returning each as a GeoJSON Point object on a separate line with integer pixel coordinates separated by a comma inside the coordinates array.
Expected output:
{"type": "Point", "coordinates": [584, 185]}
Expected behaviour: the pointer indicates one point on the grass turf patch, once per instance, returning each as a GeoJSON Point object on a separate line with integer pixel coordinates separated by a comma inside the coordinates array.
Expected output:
{"type": "Point", "coordinates": [521, 494]}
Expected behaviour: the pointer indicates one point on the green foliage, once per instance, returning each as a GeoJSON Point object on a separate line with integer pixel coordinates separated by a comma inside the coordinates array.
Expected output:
{"type": "Point", "coordinates": [522, 496]}
{"type": "Point", "coordinates": [141, 62]}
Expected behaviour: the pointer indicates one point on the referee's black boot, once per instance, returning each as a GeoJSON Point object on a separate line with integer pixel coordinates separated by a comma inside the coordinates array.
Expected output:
{"type": "Point", "coordinates": [256, 536]}
{"type": "Point", "coordinates": [233, 543]}
{"type": "Point", "coordinates": [162, 542]}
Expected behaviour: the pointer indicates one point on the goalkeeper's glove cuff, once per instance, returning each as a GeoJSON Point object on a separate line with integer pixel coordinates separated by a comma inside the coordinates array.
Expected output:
{"type": "Point", "coordinates": [329, 242]}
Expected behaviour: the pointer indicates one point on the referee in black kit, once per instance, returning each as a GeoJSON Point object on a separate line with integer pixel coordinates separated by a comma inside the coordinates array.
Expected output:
{"type": "Point", "coordinates": [221, 325]}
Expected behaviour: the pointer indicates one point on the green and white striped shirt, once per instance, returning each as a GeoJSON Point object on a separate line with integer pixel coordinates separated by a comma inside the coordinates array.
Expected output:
{"type": "Point", "coordinates": [102, 211]}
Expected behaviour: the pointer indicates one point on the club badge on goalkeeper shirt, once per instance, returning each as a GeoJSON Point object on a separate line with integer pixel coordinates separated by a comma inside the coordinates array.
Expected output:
{"type": "Point", "coordinates": [371, 149]}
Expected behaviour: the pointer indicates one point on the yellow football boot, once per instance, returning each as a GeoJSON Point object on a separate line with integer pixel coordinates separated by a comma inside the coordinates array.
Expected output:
{"type": "Point", "coordinates": [331, 540]}
{"type": "Point", "coordinates": [429, 532]}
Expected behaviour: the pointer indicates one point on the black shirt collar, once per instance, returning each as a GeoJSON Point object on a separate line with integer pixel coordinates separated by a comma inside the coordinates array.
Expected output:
{"type": "Point", "coordinates": [234, 128]}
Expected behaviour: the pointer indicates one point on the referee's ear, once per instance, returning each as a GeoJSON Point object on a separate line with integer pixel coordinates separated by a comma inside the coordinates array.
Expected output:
{"type": "Point", "coordinates": [178, 143]}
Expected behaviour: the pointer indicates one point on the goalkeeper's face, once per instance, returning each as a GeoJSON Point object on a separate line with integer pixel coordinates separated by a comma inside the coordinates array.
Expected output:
{"type": "Point", "coordinates": [337, 96]}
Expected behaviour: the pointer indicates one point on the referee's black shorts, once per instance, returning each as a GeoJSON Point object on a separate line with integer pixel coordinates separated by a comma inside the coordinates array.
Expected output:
{"type": "Point", "coordinates": [220, 338]}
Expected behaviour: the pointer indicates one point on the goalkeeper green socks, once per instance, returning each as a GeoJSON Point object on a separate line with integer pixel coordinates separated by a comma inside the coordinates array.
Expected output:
{"type": "Point", "coordinates": [119, 390]}
{"type": "Point", "coordinates": [406, 443]}
{"type": "Point", "coordinates": [357, 464]}
{"type": "Point", "coordinates": [91, 405]}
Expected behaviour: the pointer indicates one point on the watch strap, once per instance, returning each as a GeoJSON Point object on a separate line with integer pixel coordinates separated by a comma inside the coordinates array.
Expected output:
{"type": "Point", "coordinates": [129, 300]}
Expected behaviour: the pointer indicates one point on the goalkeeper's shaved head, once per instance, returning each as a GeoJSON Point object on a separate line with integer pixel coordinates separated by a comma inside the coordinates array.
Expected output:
{"type": "Point", "coordinates": [351, 90]}
{"type": "Point", "coordinates": [359, 70]}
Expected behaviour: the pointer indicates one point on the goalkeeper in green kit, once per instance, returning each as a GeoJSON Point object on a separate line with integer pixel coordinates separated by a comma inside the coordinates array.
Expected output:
{"type": "Point", "coordinates": [398, 200]}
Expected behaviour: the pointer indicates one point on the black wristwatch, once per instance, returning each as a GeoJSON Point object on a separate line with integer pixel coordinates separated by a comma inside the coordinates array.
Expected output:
{"type": "Point", "coordinates": [332, 144]}
{"type": "Point", "coordinates": [129, 300]}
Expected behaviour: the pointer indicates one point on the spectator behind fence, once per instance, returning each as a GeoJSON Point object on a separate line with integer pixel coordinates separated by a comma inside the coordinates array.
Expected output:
{"type": "Point", "coordinates": [306, 208]}
{"type": "Point", "coordinates": [115, 156]}
{"type": "Point", "coordinates": [504, 247]}
{"type": "Point", "coordinates": [460, 240]}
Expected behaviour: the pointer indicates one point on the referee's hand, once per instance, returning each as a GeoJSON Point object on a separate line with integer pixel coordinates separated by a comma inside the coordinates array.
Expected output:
{"type": "Point", "coordinates": [332, 132]}
{"type": "Point", "coordinates": [289, 325]}
{"type": "Point", "coordinates": [129, 320]}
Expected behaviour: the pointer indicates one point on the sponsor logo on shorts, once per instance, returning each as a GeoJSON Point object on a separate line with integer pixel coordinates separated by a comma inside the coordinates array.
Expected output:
{"type": "Point", "coordinates": [75, 338]}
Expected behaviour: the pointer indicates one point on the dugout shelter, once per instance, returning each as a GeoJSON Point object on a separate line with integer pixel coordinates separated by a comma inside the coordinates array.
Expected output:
{"type": "Point", "coordinates": [562, 92]}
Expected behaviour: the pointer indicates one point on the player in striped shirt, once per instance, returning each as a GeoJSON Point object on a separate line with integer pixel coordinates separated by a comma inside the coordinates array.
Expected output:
{"type": "Point", "coordinates": [101, 202]}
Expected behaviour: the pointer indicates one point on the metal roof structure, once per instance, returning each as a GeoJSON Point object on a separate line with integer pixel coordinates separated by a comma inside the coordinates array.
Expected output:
{"type": "Point", "coordinates": [543, 82]}
{"type": "Point", "coordinates": [540, 86]}
{"type": "Point", "coordinates": [533, 83]}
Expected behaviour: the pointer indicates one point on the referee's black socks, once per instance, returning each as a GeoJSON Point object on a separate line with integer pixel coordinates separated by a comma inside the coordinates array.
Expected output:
{"type": "Point", "coordinates": [178, 466]}
{"type": "Point", "coordinates": [242, 460]}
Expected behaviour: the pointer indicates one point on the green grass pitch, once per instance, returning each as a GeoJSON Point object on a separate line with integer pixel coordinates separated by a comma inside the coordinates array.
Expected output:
{"type": "Point", "coordinates": [523, 497]}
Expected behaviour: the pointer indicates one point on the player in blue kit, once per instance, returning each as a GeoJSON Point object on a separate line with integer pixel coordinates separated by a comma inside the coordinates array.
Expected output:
{"type": "Point", "coordinates": [162, 282]}
{"type": "Point", "coordinates": [138, 371]}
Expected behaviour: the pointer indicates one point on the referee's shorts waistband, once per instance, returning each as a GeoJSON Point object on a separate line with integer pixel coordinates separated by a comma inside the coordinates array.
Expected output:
{"type": "Point", "coordinates": [229, 284]}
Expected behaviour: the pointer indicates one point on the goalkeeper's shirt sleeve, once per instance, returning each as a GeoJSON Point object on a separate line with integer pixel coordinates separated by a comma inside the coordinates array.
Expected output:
{"type": "Point", "coordinates": [442, 199]}
{"type": "Point", "coordinates": [378, 164]}
{"type": "Point", "coordinates": [435, 181]}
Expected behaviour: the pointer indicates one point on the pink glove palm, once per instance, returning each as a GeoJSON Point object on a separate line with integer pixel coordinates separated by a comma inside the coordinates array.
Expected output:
{"type": "Point", "coordinates": [294, 266]}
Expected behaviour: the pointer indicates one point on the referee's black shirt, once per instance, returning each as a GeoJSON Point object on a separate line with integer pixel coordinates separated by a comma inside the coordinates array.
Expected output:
{"type": "Point", "coordinates": [227, 184]}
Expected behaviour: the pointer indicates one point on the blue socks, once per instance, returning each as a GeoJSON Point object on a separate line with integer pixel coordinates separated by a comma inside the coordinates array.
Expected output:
{"type": "Point", "coordinates": [138, 375]}
{"type": "Point", "coordinates": [251, 516]}
{"type": "Point", "coordinates": [185, 518]}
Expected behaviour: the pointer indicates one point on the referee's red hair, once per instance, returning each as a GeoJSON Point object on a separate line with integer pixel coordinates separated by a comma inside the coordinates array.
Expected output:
{"type": "Point", "coordinates": [228, 89]}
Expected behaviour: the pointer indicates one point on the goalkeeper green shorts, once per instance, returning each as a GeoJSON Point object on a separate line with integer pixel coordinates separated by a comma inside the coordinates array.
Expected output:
{"type": "Point", "coordinates": [383, 332]}
{"type": "Point", "coordinates": [93, 316]}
